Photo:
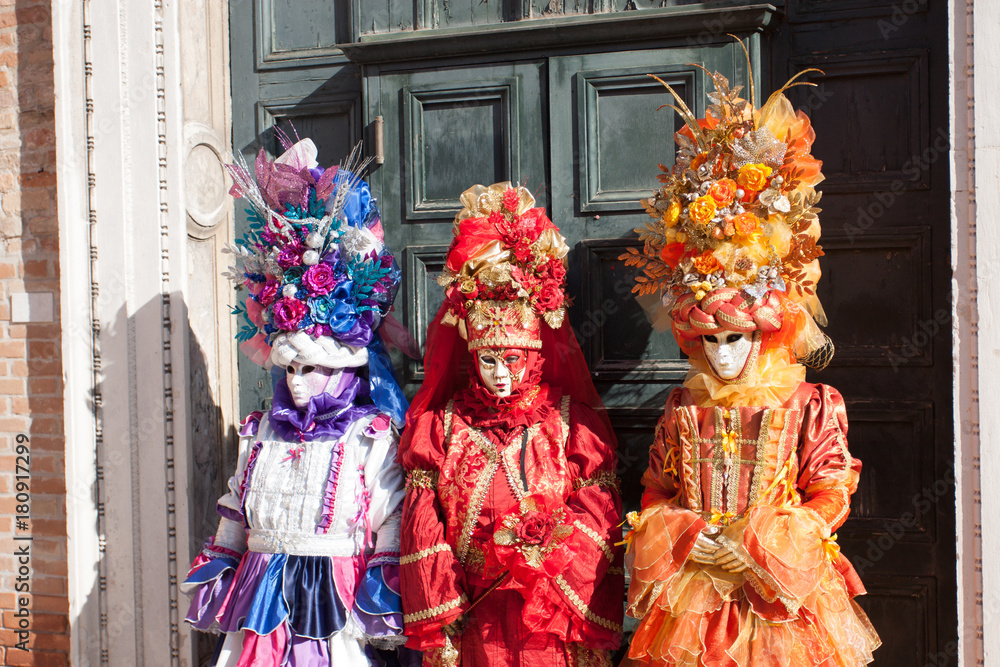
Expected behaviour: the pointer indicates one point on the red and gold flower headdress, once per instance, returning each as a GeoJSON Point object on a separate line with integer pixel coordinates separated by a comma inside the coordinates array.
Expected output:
{"type": "Point", "coordinates": [504, 269]}
{"type": "Point", "coordinates": [733, 244]}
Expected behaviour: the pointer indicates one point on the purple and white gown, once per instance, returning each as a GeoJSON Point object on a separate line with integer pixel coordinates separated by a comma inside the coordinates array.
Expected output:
{"type": "Point", "coordinates": [304, 568]}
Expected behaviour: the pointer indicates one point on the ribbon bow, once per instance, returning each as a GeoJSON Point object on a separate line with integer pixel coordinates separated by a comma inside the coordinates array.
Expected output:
{"type": "Point", "coordinates": [632, 519]}
{"type": "Point", "coordinates": [831, 548]}
{"type": "Point", "coordinates": [730, 443]}
{"type": "Point", "coordinates": [721, 518]}
{"type": "Point", "coordinates": [295, 453]}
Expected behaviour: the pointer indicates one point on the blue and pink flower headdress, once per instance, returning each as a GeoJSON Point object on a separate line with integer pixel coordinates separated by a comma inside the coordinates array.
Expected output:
{"type": "Point", "coordinates": [317, 274]}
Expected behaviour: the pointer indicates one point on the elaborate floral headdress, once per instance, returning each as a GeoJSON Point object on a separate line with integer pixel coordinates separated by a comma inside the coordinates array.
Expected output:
{"type": "Point", "coordinates": [733, 241]}
{"type": "Point", "coordinates": [317, 273]}
{"type": "Point", "coordinates": [504, 269]}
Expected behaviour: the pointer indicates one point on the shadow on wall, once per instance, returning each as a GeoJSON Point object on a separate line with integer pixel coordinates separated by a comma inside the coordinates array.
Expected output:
{"type": "Point", "coordinates": [211, 457]}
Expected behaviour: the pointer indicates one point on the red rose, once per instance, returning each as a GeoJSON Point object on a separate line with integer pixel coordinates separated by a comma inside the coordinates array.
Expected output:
{"type": "Point", "coordinates": [554, 269]}
{"type": "Point", "coordinates": [535, 528]}
{"type": "Point", "coordinates": [456, 302]}
{"type": "Point", "coordinates": [549, 296]}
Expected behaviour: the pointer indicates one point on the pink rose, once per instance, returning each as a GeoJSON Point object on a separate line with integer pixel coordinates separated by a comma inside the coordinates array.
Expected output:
{"type": "Point", "coordinates": [289, 256]}
{"type": "Point", "coordinates": [549, 296]}
{"type": "Point", "coordinates": [288, 313]}
{"type": "Point", "coordinates": [535, 527]}
{"type": "Point", "coordinates": [268, 293]}
{"type": "Point", "coordinates": [319, 279]}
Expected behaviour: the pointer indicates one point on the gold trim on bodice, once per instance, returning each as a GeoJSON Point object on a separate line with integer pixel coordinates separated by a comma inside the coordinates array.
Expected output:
{"type": "Point", "coordinates": [720, 460]}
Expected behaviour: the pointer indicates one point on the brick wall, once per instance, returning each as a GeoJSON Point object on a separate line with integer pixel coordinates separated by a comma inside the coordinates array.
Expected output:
{"type": "Point", "coordinates": [30, 366]}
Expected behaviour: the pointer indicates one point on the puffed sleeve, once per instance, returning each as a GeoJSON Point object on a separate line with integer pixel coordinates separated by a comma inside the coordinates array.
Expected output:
{"type": "Point", "coordinates": [377, 600]}
{"type": "Point", "coordinates": [433, 581]}
{"type": "Point", "coordinates": [213, 571]}
{"type": "Point", "coordinates": [664, 533]}
{"type": "Point", "coordinates": [788, 542]}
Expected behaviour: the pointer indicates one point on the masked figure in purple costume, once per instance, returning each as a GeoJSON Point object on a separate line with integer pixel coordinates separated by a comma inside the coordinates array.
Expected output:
{"type": "Point", "coordinates": [304, 567]}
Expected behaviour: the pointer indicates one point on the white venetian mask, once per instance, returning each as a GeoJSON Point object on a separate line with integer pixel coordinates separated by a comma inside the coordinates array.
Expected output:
{"type": "Point", "coordinates": [727, 352]}
{"type": "Point", "coordinates": [305, 381]}
{"type": "Point", "coordinates": [501, 370]}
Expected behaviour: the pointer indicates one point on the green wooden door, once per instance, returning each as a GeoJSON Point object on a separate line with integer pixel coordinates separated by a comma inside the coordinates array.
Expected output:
{"type": "Point", "coordinates": [554, 94]}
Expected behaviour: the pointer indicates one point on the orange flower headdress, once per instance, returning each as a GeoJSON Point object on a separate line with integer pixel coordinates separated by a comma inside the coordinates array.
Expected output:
{"type": "Point", "coordinates": [733, 244]}
{"type": "Point", "coordinates": [504, 269]}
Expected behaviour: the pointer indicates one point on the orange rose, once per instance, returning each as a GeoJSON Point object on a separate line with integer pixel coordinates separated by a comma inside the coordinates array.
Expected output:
{"type": "Point", "coordinates": [753, 177]}
{"type": "Point", "coordinates": [671, 254]}
{"type": "Point", "coordinates": [723, 191]}
{"type": "Point", "coordinates": [706, 263]}
{"type": "Point", "coordinates": [699, 159]}
{"type": "Point", "coordinates": [672, 213]}
{"type": "Point", "coordinates": [746, 224]}
{"type": "Point", "coordinates": [702, 210]}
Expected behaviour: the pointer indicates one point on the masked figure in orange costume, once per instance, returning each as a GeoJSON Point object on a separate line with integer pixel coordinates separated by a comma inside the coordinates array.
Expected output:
{"type": "Point", "coordinates": [511, 512]}
{"type": "Point", "coordinates": [734, 557]}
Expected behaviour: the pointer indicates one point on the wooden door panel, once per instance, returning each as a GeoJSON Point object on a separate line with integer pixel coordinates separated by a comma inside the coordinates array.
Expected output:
{"type": "Point", "coordinates": [874, 101]}
{"type": "Point", "coordinates": [449, 129]}
{"type": "Point", "coordinates": [891, 497]}
{"type": "Point", "coordinates": [875, 293]}
{"type": "Point", "coordinates": [619, 139]}
{"type": "Point", "coordinates": [467, 128]}
{"type": "Point", "coordinates": [421, 298]}
{"type": "Point", "coordinates": [903, 611]}
{"type": "Point", "coordinates": [288, 31]}
{"type": "Point", "coordinates": [606, 135]}
{"type": "Point", "coordinates": [616, 334]}
{"type": "Point", "coordinates": [332, 124]}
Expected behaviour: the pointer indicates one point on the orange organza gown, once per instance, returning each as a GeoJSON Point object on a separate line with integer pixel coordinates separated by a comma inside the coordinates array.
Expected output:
{"type": "Point", "coordinates": [777, 483]}
{"type": "Point", "coordinates": [468, 471]}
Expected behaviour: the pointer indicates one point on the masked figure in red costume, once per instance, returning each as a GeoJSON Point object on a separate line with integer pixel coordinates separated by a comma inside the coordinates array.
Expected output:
{"type": "Point", "coordinates": [734, 557]}
{"type": "Point", "coordinates": [511, 512]}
